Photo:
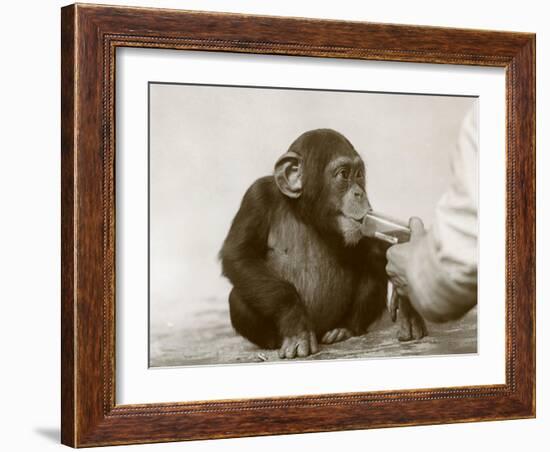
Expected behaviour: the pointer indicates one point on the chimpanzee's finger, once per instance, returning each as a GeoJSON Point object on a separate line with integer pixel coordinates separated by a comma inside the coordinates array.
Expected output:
{"type": "Point", "coordinates": [332, 336]}
{"type": "Point", "coordinates": [343, 334]}
{"type": "Point", "coordinates": [303, 348]}
{"type": "Point", "coordinates": [290, 351]}
{"type": "Point", "coordinates": [283, 348]}
{"type": "Point", "coordinates": [313, 346]}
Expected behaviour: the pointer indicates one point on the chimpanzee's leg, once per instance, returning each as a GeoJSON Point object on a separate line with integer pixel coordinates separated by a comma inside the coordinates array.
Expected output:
{"type": "Point", "coordinates": [252, 326]}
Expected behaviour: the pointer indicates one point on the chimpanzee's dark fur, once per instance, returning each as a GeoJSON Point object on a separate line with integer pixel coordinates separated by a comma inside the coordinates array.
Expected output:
{"type": "Point", "coordinates": [294, 264]}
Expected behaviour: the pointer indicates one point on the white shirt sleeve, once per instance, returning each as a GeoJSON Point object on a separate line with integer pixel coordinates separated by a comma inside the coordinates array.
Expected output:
{"type": "Point", "coordinates": [442, 273]}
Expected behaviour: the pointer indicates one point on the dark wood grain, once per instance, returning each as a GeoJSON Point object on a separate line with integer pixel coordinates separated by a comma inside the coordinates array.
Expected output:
{"type": "Point", "coordinates": [67, 226]}
{"type": "Point", "coordinates": [90, 36]}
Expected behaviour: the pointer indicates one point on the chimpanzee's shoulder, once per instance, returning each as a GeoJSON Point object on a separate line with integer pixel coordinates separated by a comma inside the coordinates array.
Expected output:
{"type": "Point", "coordinates": [263, 191]}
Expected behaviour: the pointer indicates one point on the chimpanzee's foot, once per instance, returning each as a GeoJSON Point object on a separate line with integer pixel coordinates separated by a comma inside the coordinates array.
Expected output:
{"type": "Point", "coordinates": [411, 325]}
{"type": "Point", "coordinates": [336, 335]}
{"type": "Point", "coordinates": [300, 345]}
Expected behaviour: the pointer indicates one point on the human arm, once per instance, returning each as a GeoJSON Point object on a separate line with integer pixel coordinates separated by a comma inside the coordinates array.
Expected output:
{"type": "Point", "coordinates": [438, 269]}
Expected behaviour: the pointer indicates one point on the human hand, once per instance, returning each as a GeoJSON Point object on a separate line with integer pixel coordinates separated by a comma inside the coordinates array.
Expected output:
{"type": "Point", "coordinates": [398, 257]}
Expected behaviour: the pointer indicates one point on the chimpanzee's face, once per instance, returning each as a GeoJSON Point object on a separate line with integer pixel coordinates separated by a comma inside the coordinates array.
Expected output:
{"type": "Point", "coordinates": [345, 179]}
{"type": "Point", "coordinates": [326, 177]}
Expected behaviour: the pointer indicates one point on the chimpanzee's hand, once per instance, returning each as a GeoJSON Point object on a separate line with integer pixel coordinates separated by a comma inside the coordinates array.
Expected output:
{"type": "Point", "coordinates": [297, 331]}
{"type": "Point", "coordinates": [299, 345]}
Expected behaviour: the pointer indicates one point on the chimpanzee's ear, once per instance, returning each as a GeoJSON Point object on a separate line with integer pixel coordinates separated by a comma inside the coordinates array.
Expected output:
{"type": "Point", "coordinates": [288, 174]}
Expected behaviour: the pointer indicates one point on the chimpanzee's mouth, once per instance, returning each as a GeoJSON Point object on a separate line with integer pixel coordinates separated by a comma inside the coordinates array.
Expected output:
{"type": "Point", "coordinates": [351, 229]}
{"type": "Point", "coordinates": [357, 217]}
{"type": "Point", "coordinates": [353, 220]}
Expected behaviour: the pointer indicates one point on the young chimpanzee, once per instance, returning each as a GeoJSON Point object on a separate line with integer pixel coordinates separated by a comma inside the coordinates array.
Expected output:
{"type": "Point", "coordinates": [301, 270]}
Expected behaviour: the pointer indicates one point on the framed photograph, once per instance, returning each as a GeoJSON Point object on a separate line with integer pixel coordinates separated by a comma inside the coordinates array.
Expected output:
{"type": "Point", "coordinates": [281, 225]}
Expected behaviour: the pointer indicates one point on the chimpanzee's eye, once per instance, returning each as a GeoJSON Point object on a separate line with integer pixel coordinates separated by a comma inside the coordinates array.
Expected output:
{"type": "Point", "coordinates": [360, 174]}
{"type": "Point", "coordinates": [343, 173]}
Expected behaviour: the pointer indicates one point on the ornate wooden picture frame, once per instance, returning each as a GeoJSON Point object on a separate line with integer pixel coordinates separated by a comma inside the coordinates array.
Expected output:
{"type": "Point", "coordinates": [90, 37]}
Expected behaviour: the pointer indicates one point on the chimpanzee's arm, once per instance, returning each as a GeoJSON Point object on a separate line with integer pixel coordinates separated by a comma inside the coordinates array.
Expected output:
{"type": "Point", "coordinates": [370, 297]}
{"type": "Point", "coordinates": [244, 261]}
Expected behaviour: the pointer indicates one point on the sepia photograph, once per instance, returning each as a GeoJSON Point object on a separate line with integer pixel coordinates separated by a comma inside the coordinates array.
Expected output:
{"type": "Point", "coordinates": [294, 224]}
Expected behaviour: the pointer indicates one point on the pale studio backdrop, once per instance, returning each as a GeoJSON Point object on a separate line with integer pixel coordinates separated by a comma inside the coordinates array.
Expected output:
{"type": "Point", "coordinates": [209, 144]}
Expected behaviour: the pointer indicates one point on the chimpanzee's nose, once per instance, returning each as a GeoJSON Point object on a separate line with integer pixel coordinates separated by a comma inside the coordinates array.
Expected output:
{"type": "Point", "coordinates": [358, 193]}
